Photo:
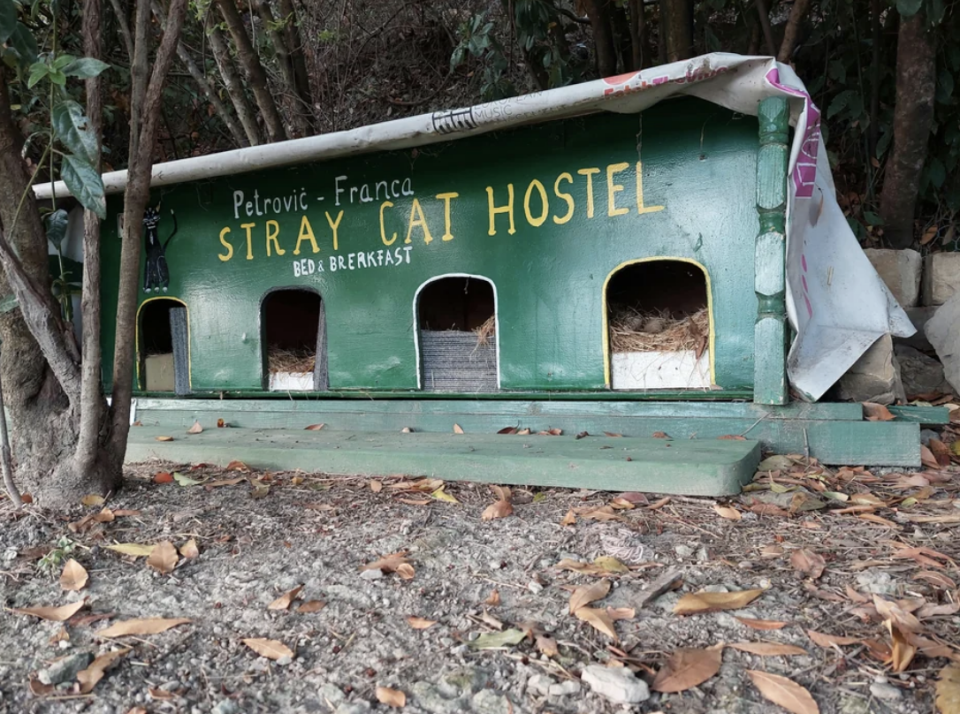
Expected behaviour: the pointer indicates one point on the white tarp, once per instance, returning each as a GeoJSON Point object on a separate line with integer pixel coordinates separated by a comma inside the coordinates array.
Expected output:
{"type": "Point", "coordinates": [836, 302]}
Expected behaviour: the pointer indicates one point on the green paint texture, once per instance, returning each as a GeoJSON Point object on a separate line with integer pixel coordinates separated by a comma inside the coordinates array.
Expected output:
{"type": "Point", "coordinates": [699, 162]}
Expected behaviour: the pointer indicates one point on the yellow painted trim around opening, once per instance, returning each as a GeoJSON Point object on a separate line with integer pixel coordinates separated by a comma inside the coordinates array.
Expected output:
{"type": "Point", "coordinates": [137, 338]}
{"type": "Point", "coordinates": [606, 327]}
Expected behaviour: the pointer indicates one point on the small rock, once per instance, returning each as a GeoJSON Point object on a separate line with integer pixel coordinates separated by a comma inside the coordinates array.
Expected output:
{"type": "Point", "coordinates": [330, 693]}
{"type": "Point", "coordinates": [874, 377]}
{"type": "Point", "coordinates": [565, 688]}
{"type": "Point", "coordinates": [876, 582]}
{"type": "Point", "coordinates": [539, 684]}
{"type": "Point", "coordinates": [226, 706]}
{"type": "Point", "coordinates": [920, 374]}
{"type": "Point", "coordinates": [284, 661]}
{"type": "Point", "coordinates": [941, 277]}
{"type": "Point", "coordinates": [926, 435]}
{"type": "Point", "coordinates": [372, 574]}
{"type": "Point", "coordinates": [487, 701]}
{"type": "Point", "coordinates": [683, 551]}
{"type": "Point", "coordinates": [361, 707]}
{"type": "Point", "coordinates": [430, 699]}
{"type": "Point", "coordinates": [535, 587]}
{"type": "Point", "coordinates": [618, 684]}
{"type": "Point", "coordinates": [777, 462]}
{"type": "Point", "coordinates": [943, 331]}
{"type": "Point", "coordinates": [886, 691]}
{"type": "Point", "coordinates": [65, 670]}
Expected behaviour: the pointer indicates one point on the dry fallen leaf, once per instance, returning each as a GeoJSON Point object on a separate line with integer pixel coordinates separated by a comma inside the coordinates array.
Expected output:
{"type": "Point", "coordinates": [824, 640]}
{"type": "Point", "coordinates": [195, 429]}
{"type": "Point", "coordinates": [948, 689]}
{"type": "Point", "coordinates": [892, 611]}
{"type": "Point", "coordinates": [54, 614]}
{"type": "Point", "coordinates": [927, 458]}
{"type": "Point", "coordinates": [61, 636]}
{"type": "Point", "coordinates": [547, 646]}
{"type": "Point", "coordinates": [393, 563]}
{"type": "Point", "coordinates": [785, 692]}
{"type": "Point", "coordinates": [687, 668]}
{"type": "Point", "coordinates": [74, 576]}
{"type": "Point", "coordinates": [92, 500]}
{"type": "Point", "coordinates": [376, 486]}
{"type": "Point", "coordinates": [419, 623]}
{"type": "Point", "coordinates": [391, 697]}
{"type": "Point", "coordinates": [497, 509]}
{"type": "Point", "coordinates": [137, 550]}
{"type": "Point", "coordinates": [164, 438]}
{"type": "Point", "coordinates": [877, 412]}
{"type": "Point", "coordinates": [271, 649]}
{"type": "Point", "coordinates": [696, 603]}
{"type": "Point", "coordinates": [587, 594]}
{"type": "Point", "coordinates": [284, 601]}
{"type": "Point", "coordinates": [457, 429]}
{"type": "Point", "coordinates": [600, 620]}
{"type": "Point", "coordinates": [494, 598]}
{"type": "Point", "coordinates": [761, 624]}
{"type": "Point", "coordinates": [314, 427]}
{"type": "Point", "coordinates": [569, 520]}
{"type": "Point", "coordinates": [237, 466]}
{"type": "Point", "coordinates": [726, 512]}
{"type": "Point", "coordinates": [142, 626]}
{"type": "Point", "coordinates": [312, 606]}
{"type": "Point", "coordinates": [89, 677]}
{"type": "Point", "coordinates": [808, 562]}
{"type": "Point", "coordinates": [163, 477]}
{"type": "Point", "coordinates": [768, 649]}
{"type": "Point", "coordinates": [902, 651]}
{"type": "Point", "coordinates": [189, 549]}
{"type": "Point", "coordinates": [223, 482]}
{"type": "Point", "coordinates": [163, 558]}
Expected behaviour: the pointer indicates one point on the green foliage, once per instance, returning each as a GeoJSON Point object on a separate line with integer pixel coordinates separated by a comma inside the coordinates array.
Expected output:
{"type": "Point", "coordinates": [84, 183]}
{"type": "Point", "coordinates": [56, 225]}
{"type": "Point", "coordinates": [52, 562]}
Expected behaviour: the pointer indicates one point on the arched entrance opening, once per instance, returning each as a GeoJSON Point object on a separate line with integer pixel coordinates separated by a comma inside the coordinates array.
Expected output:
{"type": "Point", "coordinates": [455, 319]}
{"type": "Point", "coordinates": [658, 326]}
{"type": "Point", "coordinates": [294, 341]}
{"type": "Point", "coordinates": [163, 346]}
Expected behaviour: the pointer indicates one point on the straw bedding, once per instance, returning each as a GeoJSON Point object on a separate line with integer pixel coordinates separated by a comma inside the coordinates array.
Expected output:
{"type": "Point", "coordinates": [486, 331]}
{"type": "Point", "coordinates": [635, 331]}
{"type": "Point", "coordinates": [282, 360]}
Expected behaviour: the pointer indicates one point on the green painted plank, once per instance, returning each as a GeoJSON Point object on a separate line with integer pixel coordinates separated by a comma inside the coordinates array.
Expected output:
{"type": "Point", "coordinates": [922, 415]}
{"type": "Point", "coordinates": [505, 408]}
{"type": "Point", "coordinates": [695, 467]}
{"type": "Point", "coordinates": [588, 396]}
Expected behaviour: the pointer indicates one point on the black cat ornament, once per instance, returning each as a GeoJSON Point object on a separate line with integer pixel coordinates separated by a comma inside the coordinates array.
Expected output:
{"type": "Point", "coordinates": [156, 274]}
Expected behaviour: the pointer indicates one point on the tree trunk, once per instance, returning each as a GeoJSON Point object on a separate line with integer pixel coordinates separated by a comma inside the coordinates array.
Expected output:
{"type": "Point", "coordinates": [291, 31]}
{"type": "Point", "coordinates": [621, 28]}
{"type": "Point", "coordinates": [135, 198]}
{"type": "Point", "coordinates": [253, 70]}
{"type": "Point", "coordinates": [912, 120]}
{"type": "Point", "coordinates": [234, 85]}
{"type": "Point", "coordinates": [791, 32]}
{"type": "Point", "coordinates": [639, 37]}
{"type": "Point", "coordinates": [301, 108]}
{"type": "Point", "coordinates": [201, 79]}
{"type": "Point", "coordinates": [598, 12]}
{"type": "Point", "coordinates": [676, 29]}
{"type": "Point", "coordinates": [764, 16]}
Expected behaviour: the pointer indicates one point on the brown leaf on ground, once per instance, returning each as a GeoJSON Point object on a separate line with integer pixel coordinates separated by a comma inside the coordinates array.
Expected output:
{"type": "Point", "coordinates": [523, 432]}
{"type": "Point", "coordinates": [686, 668]}
{"type": "Point", "coordinates": [314, 427]}
{"type": "Point", "coordinates": [926, 557]}
{"type": "Point", "coordinates": [74, 576]}
{"type": "Point", "coordinates": [391, 697]}
{"type": "Point", "coordinates": [311, 606]}
{"type": "Point", "coordinates": [221, 424]}
{"type": "Point", "coordinates": [598, 619]}
{"type": "Point", "coordinates": [822, 639]}
{"type": "Point", "coordinates": [613, 434]}
{"type": "Point", "coordinates": [933, 610]}
{"type": "Point", "coordinates": [224, 482]}
{"type": "Point", "coordinates": [420, 623]}
{"type": "Point", "coordinates": [89, 677]}
{"type": "Point", "coordinates": [237, 466]}
{"type": "Point", "coordinates": [903, 619]}
{"type": "Point", "coordinates": [937, 579]}
{"type": "Point", "coordinates": [164, 438]}
{"type": "Point", "coordinates": [105, 516]}
{"type": "Point", "coordinates": [948, 689]}
{"type": "Point", "coordinates": [927, 458]}
{"type": "Point", "coordinates": [508, 430]}
{"type": "Point", "coordinates": [497, 509]}
{"type": "Point", "coordinates": [657, 505]}
{"type": "Point", "coordinates": [621, 613]}
{"type": "Point", "coordinates": [602, 513]}
{"type": "Point", "coordinates": [189, 549]}
{"type": "Point", "coordinates": [503, 493]}
{"type": "Point", "coordinates": [163, 558]}
{"type": "Point", "coordinates": [784, 692]}
{"type": "Point", "coordinates": [61, 636]}
{"type": "Point", "coordinates": [494, 598]}
{"type": "Point", "coordinates": [902, 651]}
{"type": "Point", "coordinates": [406, 430]}
{"type": "Point", "coordinates": [761, 624]}
{"type": "Point", "coordinates": [698, 603]}
{"type": "Point", "coordinates": [660, 435]}
{"type": "Point", "coordinates": [271, 649]}
{"type": "Point", "coordinates": [808, 562]}
{"type": "Point", "coordinates": [547, 646]}
{"type": "Point", "coordinates": [415, 501]}
{"type": "Point", "coordinates": [284, 601]}
{"type": "Point", "coordinates": [142, 626]}
{"type": "Point", "coordinates": [92, 500]}
{"type": "Point", "coordinates": [137, 550]}
{"type": "Point", "coordinates": [877, 412]}
{"type": "Point", "coordinates": [54, 614]}
{"type": "Point", "coordinates": [622, 504]}
{"type": "Point", "coordinates": [457, 429]}
{"type": "Point", "coordinates": [941, 452]}
{"type": "Point", "coordinates": [602, 566]}
{"type": "Point", "coordinates": [569, 520]}
{"type": "Point", "coordinates": [727, 512]}
{"type": "Point", "coordinates": [768, 649]}
{"type": "Point", "coordinates": [376, 486]}
{"type": "Point", "coordinates": [163, 477]}
{"type": "Point", "coordinates": [195, 429]}
{"type": "Point", "coordinates": [732, 437]}
{"type": "Point", "coordinates": [587, 594]}
{"type": "Point", "coordinates": [393, 563]}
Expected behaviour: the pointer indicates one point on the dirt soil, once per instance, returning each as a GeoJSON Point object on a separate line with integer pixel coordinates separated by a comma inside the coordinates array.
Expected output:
{"type": "Point", "coordinates": [866, 555]}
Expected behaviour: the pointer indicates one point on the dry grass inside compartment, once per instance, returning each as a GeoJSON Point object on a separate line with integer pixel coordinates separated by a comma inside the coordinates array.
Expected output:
{"type": "Point", "coordinates": [486, 331]}
{"type": "Point", "coordinates": [281, 360]}
{"type": "Point", "coordinates": [634, 331]}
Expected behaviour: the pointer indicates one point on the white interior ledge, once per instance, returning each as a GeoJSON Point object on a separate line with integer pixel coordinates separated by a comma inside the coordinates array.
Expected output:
{"type": "Point", "coordinates": [661, 370]}
{"type": "Point", "coordinates": [291, 381]}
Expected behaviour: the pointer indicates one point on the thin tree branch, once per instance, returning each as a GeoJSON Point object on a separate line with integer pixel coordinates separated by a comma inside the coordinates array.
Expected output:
{"type": "Point", "coordinates": [791, 32]}
{"type": "Point", "coordinates": [124, 27]}
{"type": "Point", "coordinates": [764, 15]}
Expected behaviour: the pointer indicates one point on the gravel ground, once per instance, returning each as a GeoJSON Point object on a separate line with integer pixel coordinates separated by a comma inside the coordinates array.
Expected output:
{"type": "Point", "coordinates": [267, 534]}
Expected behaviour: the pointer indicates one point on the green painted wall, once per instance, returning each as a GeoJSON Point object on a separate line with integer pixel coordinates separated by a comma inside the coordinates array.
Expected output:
{"type": "Point", "coordinates": [698, 162]}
